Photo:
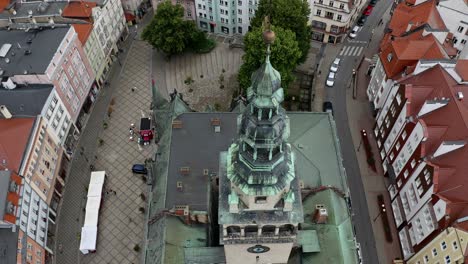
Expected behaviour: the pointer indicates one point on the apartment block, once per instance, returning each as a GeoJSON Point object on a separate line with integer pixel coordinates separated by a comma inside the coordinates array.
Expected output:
{"type": "Point", "coordinates": [424, 152]}
{"type": "Point", "coordinates": [27, 168]}
{"type": "Point", "coordinates": [449, 246]}
{"type": "Point", "coordinates": [331, 19]}
{"type": "Point", "coordinates": [414, 33]}
{"type": "Point", "coordinates": [102, 29]}
{"type": "Point", "coordinates": [49, 55]}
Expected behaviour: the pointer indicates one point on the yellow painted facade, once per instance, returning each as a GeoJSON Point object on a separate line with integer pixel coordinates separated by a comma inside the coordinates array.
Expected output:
{"type": "Point", "coordinates": [448, 247]}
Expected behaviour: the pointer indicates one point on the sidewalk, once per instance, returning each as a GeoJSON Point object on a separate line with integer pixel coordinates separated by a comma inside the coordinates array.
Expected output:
{"type": "Point", "coordinates": [121, 225]}
{"type": "Point", "coordinates": [359, 111]}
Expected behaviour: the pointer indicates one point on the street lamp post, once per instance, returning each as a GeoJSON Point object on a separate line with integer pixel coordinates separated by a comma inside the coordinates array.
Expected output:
{"type": "Point", "coordinates": [364, 134]}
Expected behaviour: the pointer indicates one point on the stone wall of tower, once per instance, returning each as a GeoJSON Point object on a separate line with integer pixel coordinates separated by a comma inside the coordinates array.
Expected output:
{"type": "Point", "coordinates": [239, 254]}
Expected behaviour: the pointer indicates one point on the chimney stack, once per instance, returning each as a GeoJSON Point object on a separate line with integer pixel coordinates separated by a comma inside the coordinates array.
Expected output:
{"type": "Point", "coordinates": [321, 214]}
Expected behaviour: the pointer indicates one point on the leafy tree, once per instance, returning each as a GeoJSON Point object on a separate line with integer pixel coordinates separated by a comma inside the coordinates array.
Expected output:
{"type": "Point", "coordinates": [284, 57]}
{"type": "Point", "coordinates": [171, 34]}
{"type": "Point", "coordinates": [168, 31]}
{"type": "Point", "coordinates": [288, 14]}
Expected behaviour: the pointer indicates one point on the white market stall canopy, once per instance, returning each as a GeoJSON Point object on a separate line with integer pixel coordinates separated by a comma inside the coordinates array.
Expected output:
{"type": "Point", "coordinates": [93, 204]}
{"type": "Point", "coordinates": [88, 239]}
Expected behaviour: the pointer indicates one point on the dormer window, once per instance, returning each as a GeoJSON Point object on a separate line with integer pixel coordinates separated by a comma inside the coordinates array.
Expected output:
{"type": "Point", "coordinates": [389, 57]}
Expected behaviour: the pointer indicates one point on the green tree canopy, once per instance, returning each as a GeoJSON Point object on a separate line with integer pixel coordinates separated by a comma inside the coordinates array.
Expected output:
{"type": "Point", "coordinates": [168, 31]}
{"type": "Point", "coordinates": [288, 14]}
{"type": "Point", "coordinates": [284, 57]}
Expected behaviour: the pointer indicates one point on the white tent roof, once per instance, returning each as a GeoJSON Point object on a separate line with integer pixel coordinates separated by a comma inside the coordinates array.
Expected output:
{"type": "Point", "coordinates": [92, 211]}
{"type": "Point", "coordinates": [96, 183]}
{"type": "Point", "coordinates": [97, 177]}
{"type": "Point", "coordinates": [95, 190]}
{"type": "Point", "coordinates": [88, 239]}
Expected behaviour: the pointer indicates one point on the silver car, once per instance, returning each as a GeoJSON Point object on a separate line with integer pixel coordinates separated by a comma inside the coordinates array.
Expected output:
{"type": "Point", "coordinates": [331, 79]}
{"type": "Point", "coordinates": [335, 64]}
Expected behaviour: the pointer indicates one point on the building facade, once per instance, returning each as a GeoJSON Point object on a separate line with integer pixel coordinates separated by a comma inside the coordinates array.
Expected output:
{"type": "Point", "coordinates": [448, 247]}
{"type": "Point", "coordinates": [422, 153]}
{"type": "Point", "coordinates": [331, 20]}
{"type": "Point", "coordinates": [188, 5]}
{"type": "Point", "coordinates": [104, 29]}
{"type": "Point", "coordinates": [413, 33]}
{"type": "Point", "coordinates": [63, 63]}
{"type": "Point", "coordinates": [455, 13]}
{"type": "Point", "coordinates": [31, 169]}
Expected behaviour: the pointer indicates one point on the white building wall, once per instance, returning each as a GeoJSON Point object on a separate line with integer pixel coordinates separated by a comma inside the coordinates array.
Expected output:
{"type": "Point", "coordinates": [34, 216]}
{"type": "Point", "coordinates": [378, 78]}
{"type": "Point", "coordinates": [57, 118]}
{"type": "Point", "coordinates": [396, 130]}
{"type": "Point", "coordinates": [455, 16]}
{"type": "Point", "coordinates": [424, 222]}
{"type": "Point", "coordinates": [386, 106]}
{"type": "Point", "coordinates": [410, 189]}
{"type": "Point", "coordinates": [408, 149]}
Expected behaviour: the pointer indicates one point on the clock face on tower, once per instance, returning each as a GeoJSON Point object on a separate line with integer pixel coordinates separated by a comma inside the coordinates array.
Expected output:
{"type": "Point", "coordinates": [257, 249]}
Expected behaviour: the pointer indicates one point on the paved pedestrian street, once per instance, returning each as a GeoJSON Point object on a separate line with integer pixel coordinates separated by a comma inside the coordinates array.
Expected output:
{"type": "Point", "coordinates": [121, 223]}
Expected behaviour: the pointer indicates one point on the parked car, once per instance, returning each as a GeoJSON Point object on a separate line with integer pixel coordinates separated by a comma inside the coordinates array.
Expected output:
{"type": "Point", "coordinates": [331, 79]}
{"type": "Point", "coordinates": [328, 107]}
{"type": "Point", "coordinates": [354, 31]}
{"type": "Point", "coordinates": [335, 64]}
{"type": "Point", "coordinates": [139, 168]}
{"type": "Point", "coordinates": [368, 10]}
{"type": "Point", "coordinates": [361, 21]}
{"type": "Point", "coordinates": [373, 2]}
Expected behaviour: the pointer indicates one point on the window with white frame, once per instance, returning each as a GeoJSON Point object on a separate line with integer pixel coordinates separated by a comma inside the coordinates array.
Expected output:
{"type": "Point", "coordinates": [434, 252]}
{"type": "Point", "coordinates": [447, 260]}
{"type": "Point", "coordinates": [460, 29]}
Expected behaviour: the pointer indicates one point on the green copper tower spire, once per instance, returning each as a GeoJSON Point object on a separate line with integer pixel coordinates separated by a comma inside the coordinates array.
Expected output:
{"type": "Point", "coordinates": [260, 163]}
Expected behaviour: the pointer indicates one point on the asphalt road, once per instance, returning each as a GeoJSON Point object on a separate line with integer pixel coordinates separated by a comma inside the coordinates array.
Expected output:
{"type": "Point", "coordinates": [337, 95]}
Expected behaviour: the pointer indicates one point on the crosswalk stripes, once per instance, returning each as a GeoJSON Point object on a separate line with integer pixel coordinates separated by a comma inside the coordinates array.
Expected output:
{"type": "Point", "coordinates": [351, 51]}
{"type": "Point", "coordinates": [357, 41]}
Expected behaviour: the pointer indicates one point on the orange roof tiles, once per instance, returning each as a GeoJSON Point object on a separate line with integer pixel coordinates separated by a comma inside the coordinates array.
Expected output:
{"type": "Point", "coordinates": [3, 4]}
{"type": "Point", "coordinates": [406, 52]}
{"type": "Point", "coordinates": [83, 31]}
{"type": "Point", "coordinates": [79, 10]}
{"type": "Point", "coordinates": [14, 137]}
{"type": "Point", "coordinates": [406, 18]}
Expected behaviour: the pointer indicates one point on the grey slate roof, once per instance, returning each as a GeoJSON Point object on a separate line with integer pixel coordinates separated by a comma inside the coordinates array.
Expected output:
{"type": "Point", "coordinates": [4, 184]}
{"type": "Point", "coordinates": [25, 100]}
{"type": "Point", "coordinates": [43, 45]}
{"type": "Point", "coordinates": [8, 245]}
{"type": "Point", "coordinates": [38, 8]}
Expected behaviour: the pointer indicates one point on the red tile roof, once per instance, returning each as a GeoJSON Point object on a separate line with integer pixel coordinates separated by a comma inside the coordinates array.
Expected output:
{"type": "Point", "coordinates": [79, 10]}
{"type": "Point", "coordinates": [3, 4]}
{"type": "Point", "coordinates": [14, 137]}
{"type": "Point", "coordinates": [424, 13]}
{"type": "Point", "coordinates": [407, 51]}
{"type": "Point", "coordinates": [83, 31]}
{"type": "Point", "coordinates": [450, 180]}
{"type": "Point", "coordinates": [407, 18]}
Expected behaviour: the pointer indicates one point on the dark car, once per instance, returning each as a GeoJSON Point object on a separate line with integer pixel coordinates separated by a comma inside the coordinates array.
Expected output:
{"type": "Point", "coordinates": [361, 21]}
{"type": "Point", "coordinates": [328, 107]}
{"type": "Point", "coordinates": [139, 168]}
{"type": "Point", "coordinates": [373, 2]}
{"type": "Point", "coordinates": [368, 10]}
